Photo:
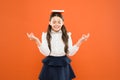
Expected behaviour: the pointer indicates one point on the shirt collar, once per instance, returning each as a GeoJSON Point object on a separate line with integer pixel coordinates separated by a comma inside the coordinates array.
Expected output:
{"type": "Point", "coordinates": [52, 31]}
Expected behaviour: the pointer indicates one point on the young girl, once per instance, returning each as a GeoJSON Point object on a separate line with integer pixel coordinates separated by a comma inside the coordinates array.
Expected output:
{"type": "Point", "coordinates": [56, 45]}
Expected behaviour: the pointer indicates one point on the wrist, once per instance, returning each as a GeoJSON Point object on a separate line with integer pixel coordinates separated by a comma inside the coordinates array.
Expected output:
{"type": "Point", "coordinates": [36, 39]}
{"type": "Point", "coordinates": [80, 40]}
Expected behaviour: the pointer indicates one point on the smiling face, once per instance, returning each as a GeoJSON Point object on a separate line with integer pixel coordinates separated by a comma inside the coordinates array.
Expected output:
{"type": "Point", "coordinates": [56, 23]}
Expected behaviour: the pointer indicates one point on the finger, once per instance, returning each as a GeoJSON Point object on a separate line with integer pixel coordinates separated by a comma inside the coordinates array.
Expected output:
{"type": "Point", "coordinates": [88, 34]}
{"type": "Point", "coordinates": [83, 35]}
{"type": "Point", "coordinates": [32, 34]}
{"type": "Point", "coordinates": [28, 35]}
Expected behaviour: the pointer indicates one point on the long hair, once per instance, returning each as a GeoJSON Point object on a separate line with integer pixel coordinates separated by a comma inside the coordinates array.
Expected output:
{"type": "Point", "coordinates": [64, 32]}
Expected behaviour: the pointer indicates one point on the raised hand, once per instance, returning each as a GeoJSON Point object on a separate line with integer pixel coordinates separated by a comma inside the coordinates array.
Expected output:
{"type": "Point", "coordinates": [31, 36]}
{"type": "Point", "coordinates": [82, 39]}
{"type": "Point", "coordinates": [85, 37]}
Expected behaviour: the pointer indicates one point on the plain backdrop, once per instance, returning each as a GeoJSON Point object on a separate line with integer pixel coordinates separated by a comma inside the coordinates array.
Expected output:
{"type": "Point", "coordinates": [97, 59]}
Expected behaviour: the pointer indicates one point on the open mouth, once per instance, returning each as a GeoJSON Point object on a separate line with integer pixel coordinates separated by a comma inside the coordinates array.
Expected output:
{"type": "Point", "coordinates": [56, 27]}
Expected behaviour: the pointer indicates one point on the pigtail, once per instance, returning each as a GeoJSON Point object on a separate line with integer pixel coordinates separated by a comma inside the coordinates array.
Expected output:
{"type": "Point", "coordinates": [65, 38]}
{"type": "Point", "coordinates": [48, 37]}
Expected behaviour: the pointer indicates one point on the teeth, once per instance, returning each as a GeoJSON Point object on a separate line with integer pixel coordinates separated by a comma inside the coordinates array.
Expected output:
{"type": "Point", "coordinates": [56, 26]}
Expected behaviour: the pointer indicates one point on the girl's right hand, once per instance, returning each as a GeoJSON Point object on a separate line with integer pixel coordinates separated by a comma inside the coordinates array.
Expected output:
{"type": "Point", "coordinates": [31, 36]}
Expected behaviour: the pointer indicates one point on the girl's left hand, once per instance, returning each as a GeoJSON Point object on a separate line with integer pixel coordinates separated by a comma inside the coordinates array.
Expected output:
{"type": "Point", "coordinates": [84, 37]}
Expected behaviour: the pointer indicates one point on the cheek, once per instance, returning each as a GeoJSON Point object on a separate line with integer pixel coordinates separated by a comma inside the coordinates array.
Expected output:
{"type": "Point", "coordinates": [52, 24]}
{"type": "Point", "coordinates": [60, 27]}
{"type": "Point", "coordinates": [61, 24]}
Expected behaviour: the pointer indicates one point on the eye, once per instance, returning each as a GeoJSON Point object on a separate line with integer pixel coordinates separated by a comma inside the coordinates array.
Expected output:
{"type": "Point", "coordinates": [59, 22]}
{"type": "Point", "coordinates": [54, 22]}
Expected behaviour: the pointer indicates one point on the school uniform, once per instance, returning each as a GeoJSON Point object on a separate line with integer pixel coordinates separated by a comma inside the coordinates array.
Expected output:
{"type": "Point", "coordinates": [56, 64]}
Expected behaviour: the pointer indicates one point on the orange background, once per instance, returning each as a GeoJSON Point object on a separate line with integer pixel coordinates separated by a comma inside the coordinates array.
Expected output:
{"type": "Point", "coordinates": [97, 59]}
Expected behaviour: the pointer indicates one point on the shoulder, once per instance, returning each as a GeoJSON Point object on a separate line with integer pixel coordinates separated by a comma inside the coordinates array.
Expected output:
{"type": "Point", "coordinates": [69, 33]}
{"type": "Point", "coordinates": [44, 34]}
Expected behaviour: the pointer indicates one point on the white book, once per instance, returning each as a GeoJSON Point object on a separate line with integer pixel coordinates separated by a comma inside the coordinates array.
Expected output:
{"type": "Point", "coordinates": [57, 10]}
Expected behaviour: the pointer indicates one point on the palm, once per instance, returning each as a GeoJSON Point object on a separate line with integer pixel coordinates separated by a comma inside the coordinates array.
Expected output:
{"type": "Point", "coordinates": [85, 37]}
{"type": "Point", "coordinates": [31, 36]}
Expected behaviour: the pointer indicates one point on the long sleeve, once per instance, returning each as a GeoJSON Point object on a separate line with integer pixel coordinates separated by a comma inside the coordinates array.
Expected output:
{"type": "Point", "coordinates": [72, 48]}
{"type": "Point", "coordinates": [43, 48]}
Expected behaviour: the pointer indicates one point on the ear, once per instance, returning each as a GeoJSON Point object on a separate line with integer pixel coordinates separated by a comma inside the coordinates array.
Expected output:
{"type": "Point", "coordinates": [62, 23]}
{"type": "Point", "coordinates": [49, 23]}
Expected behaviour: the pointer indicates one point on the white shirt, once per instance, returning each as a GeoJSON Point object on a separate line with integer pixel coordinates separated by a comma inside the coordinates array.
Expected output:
{"type": "Point", "coordinates": [57, 45]}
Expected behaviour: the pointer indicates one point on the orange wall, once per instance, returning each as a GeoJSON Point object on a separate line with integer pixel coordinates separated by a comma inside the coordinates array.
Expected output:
{"type": "Point", "coordinates": [97, 59]}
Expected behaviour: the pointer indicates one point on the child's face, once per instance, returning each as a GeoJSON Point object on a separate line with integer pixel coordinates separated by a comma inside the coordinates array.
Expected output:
{"type": "Point", "coordinates": [56, 23]}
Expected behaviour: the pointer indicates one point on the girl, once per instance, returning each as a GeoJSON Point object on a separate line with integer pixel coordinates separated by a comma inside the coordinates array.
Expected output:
{"type": "Point", "coordinates": [56, 45]}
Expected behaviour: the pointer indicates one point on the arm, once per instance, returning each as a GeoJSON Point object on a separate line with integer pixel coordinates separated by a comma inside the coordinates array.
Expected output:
{"type": "Point", "coordinates": [41, 46]}
{"type": "Point", "coordinates": [74, 48]}
{"type": "Point", "coordinates": [71, 48]}
{"type": "Point", "coordinates": [82, 39]}
{"type": "Point", "coordinates": [34, 38]}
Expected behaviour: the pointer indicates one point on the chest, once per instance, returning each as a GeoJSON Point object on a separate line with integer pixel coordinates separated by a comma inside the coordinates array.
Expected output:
{"type": "Point", "coordinates": [57, 40]}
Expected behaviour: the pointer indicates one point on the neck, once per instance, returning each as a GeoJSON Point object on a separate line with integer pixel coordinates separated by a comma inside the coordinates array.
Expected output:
{"type": "Point", "coordinates": [55, 31]}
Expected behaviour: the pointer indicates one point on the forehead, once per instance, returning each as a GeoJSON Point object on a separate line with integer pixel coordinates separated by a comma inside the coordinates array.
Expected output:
{"type": "Point", "coordinates": [56, 18]}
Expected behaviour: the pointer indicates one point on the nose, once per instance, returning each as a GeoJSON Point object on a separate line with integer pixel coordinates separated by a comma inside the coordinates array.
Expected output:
{"type": "Point", "coordinates": [56, 23]}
